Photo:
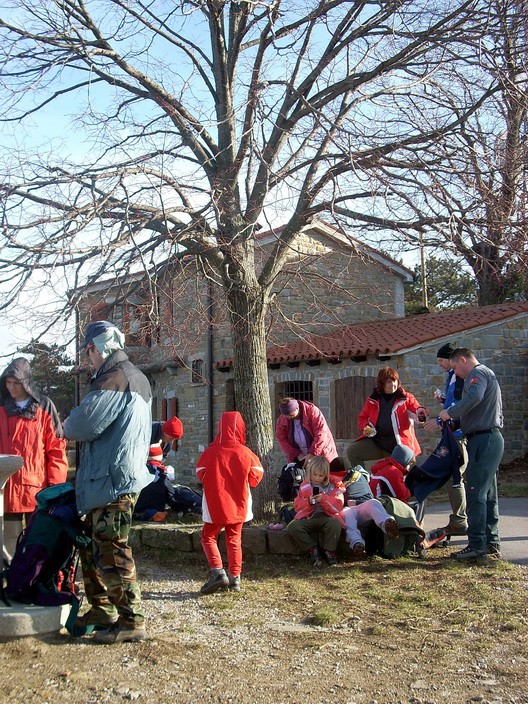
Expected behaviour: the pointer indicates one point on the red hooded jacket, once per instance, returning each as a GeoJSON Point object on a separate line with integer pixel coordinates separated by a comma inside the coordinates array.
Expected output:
{"type": "Point", "coordinates": [226, 470]}
{"type": "Point", "coordinates": [388, 477]}
{"type": "Point", "coordinates": [34, 433]}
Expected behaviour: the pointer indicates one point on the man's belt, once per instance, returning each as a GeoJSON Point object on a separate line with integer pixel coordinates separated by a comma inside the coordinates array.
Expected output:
{"type": "Point", "coordinates": [481, 432]}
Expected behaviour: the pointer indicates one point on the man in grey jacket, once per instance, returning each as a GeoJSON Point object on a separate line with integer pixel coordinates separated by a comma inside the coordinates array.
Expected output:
{"type": "Point", "coordinates": [113, 423]}
{"type": "Point", "coordinates": [480, 414]}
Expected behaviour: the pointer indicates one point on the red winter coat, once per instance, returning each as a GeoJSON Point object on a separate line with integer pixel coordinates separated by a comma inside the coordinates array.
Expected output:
{"type": "Point", "coordinates": [35, 433]}
{"type": "Point", "coordinates": [403, 415]}
{"type": "Point", "coordinates": [226, 470]}
{"type": "Point", "coordinates": [314, 422]}
{"type": "Point", "coordinates": [332, 503]}
{"type": "Point", "coordinates": [387, 477]}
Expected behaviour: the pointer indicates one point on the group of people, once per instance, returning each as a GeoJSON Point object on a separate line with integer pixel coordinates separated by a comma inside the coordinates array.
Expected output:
{"type": "Point", "coordinates": [471, 404]}
{"type": "Point", "coordinates": [114, 426]}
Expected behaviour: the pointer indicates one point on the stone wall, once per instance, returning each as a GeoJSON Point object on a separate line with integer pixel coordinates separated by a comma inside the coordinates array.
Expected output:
{"type": "Point", "coordinates": [186, 539]}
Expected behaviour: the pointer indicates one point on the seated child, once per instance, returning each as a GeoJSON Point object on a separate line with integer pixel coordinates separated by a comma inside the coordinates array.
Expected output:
{"type": "Point", "coordinates": [154, 498]}
{"type": "Point", "coordinates": [388, 475]}
{"type": "Point", "coordinates": [363, 509]}
{"type": "Point", "coordinates": [318, 507]}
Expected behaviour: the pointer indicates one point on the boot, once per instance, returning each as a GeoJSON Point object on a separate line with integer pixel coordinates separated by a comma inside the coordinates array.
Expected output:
{"type": "Point", "coordinates": [217, 580]}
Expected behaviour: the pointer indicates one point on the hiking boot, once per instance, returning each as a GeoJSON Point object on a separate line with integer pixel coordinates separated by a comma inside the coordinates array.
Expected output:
{"type": "Point", "coordinates": [358, 550]}
{"type": "Point", "coordinates": [330, 557]}
{"type": "Point", "coordinates": [217, 580]}
{"type": "Point", "coordinates": [468, 554]}
{"type": "Point", "coordinates": [313, 556]}
{"type": "Point", "coordinates": [234, 583]}
{"type": "Point", "coordinates": [452, 529]}
{"type": "Point", "coordinates": [119, 633]}
{"type": "Point", "coordinates": [390, 528]}
{"type": "Point", "coordinates": [493, 551]}
{"type": "Point", "coordinates": [93, 619]}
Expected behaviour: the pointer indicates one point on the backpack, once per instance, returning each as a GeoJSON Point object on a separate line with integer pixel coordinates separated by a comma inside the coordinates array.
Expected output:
{"type": "Point", "coordinates": [286, 514]}
{"type": "Point", "coordinates": [357, 485]}
{"type": "Point", "coordinates": [289, 481]}
{"type": "Point", "coordinates": [186, 500]}
{"type": "Point", "coordinates": [44, 565]}
{"type": "Point", "coordinates": [443, 464]}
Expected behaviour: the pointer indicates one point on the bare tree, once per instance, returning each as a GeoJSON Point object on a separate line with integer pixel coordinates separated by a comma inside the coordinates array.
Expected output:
{"type": "Point", "coordinates": [207, 120]}
{"type": "Point", "coordinates": [474, 203]}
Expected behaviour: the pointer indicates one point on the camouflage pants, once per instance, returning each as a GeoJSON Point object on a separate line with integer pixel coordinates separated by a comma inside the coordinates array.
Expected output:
{"type": "Point", "coordinates": [109, 572]}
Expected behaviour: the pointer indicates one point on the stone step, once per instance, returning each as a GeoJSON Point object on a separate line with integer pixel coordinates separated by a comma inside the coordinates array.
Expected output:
{"type": "Point", "coordinates": [20, 620]}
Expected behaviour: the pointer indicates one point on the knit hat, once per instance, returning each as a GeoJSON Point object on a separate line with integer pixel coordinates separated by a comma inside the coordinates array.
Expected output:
{"type": "Point", "coordinates": [403, 455]}
{"type": "Point", "coordinates": [156, 453]}
{"type": "Point", "coordinates": [446, 350]}
{"type": "Point", "coordinates": [173, 428]}
{"type": "Point", "coordinates": [104, 336]}
{"type": "Point", "coordinates": [94, 330]}
{"type": "Point", "coordinates": [289, 407]}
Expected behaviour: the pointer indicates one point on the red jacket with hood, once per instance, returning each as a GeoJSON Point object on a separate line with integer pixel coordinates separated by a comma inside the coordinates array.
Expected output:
{"type": "Point", "coordinates": [388, 477]}
{"type": "Point", "coordinates": [314, 422]}
{"type": "Point", "coordinates": [34, 433]}
{"type": "Point", "coordinates": [226, 470]}
{"type": "Point", "coordinates": [403, 415]}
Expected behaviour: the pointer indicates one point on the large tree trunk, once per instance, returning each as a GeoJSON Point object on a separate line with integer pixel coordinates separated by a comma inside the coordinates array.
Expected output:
{"type": "Point", "coordinates": [247, 309]}
{"type": "Point", "coordinates": [493, 282]}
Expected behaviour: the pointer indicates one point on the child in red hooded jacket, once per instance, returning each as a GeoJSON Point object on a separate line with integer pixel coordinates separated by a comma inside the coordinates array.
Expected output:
{"type": "Point", "coordinates": [227, 470]}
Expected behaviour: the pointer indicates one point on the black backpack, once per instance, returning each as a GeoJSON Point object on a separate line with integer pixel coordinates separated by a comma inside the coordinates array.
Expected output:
{"type": "Point", "coordinates": [44, 565]}
{"type": "Point", "coordinates": [289, 481]}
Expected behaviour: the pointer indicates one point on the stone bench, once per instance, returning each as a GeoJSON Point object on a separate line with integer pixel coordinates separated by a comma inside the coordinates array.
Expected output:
{"type": "Point", "coordinates": [256, 540]}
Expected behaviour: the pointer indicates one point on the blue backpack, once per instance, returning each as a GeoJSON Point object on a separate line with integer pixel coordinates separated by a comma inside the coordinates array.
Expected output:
{"type": "Point", "coordinates": [44, 565]}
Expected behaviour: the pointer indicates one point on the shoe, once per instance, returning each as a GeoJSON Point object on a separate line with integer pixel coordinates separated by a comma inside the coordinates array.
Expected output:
{"type": "Point", "coordinates": [217, 580]}
{"type": "Point", "coordinates": [390, 528]}
{"type": "Point", "coordinates": [118, 633]}
{"type": "Point", "coordinates": [434, 538]}
{"type": "Point", "coordinates": [451, 529]}
{"type": "Point", "coordinates": [313, 555]}
{"type": "Point", "coordinates": [234, 583]}
{"type": "Point", "coordinates": [330, 557]}
{"type": "Point", "coordinates": [159, 517]}
{"type": "Point", "coordinates": [358, 550]}
{"type": "Point", "coordinates": [93, 620]}
{"type": "Point", "coordinates": [468, 554]}
{"type": "Point", "coordinates": [493, 551]}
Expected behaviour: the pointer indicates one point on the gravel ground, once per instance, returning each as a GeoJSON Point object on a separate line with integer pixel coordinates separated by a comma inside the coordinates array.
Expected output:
{"type": "Point", "coordinates": [292, 635]}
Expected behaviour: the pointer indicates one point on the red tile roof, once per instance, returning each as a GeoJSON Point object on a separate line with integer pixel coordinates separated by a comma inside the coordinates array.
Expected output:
{"type": "Point", "coordinates": [388, 337]}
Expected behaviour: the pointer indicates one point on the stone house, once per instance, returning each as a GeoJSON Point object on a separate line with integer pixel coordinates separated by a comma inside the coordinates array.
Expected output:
{"type": "Point", "coordinates": [177, 332]}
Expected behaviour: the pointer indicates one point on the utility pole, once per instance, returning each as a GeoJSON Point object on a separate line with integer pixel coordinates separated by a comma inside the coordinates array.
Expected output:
{"type": "Point", "coordinates": [425, 300]}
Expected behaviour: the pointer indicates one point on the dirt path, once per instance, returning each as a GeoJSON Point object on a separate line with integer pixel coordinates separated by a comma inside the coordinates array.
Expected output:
{"type": "Point", "coordinates": [408, 631]}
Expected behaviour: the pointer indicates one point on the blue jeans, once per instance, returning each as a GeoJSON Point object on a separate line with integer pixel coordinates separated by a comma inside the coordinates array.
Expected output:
{"type": "Point", "coordinates": [485, 453]}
